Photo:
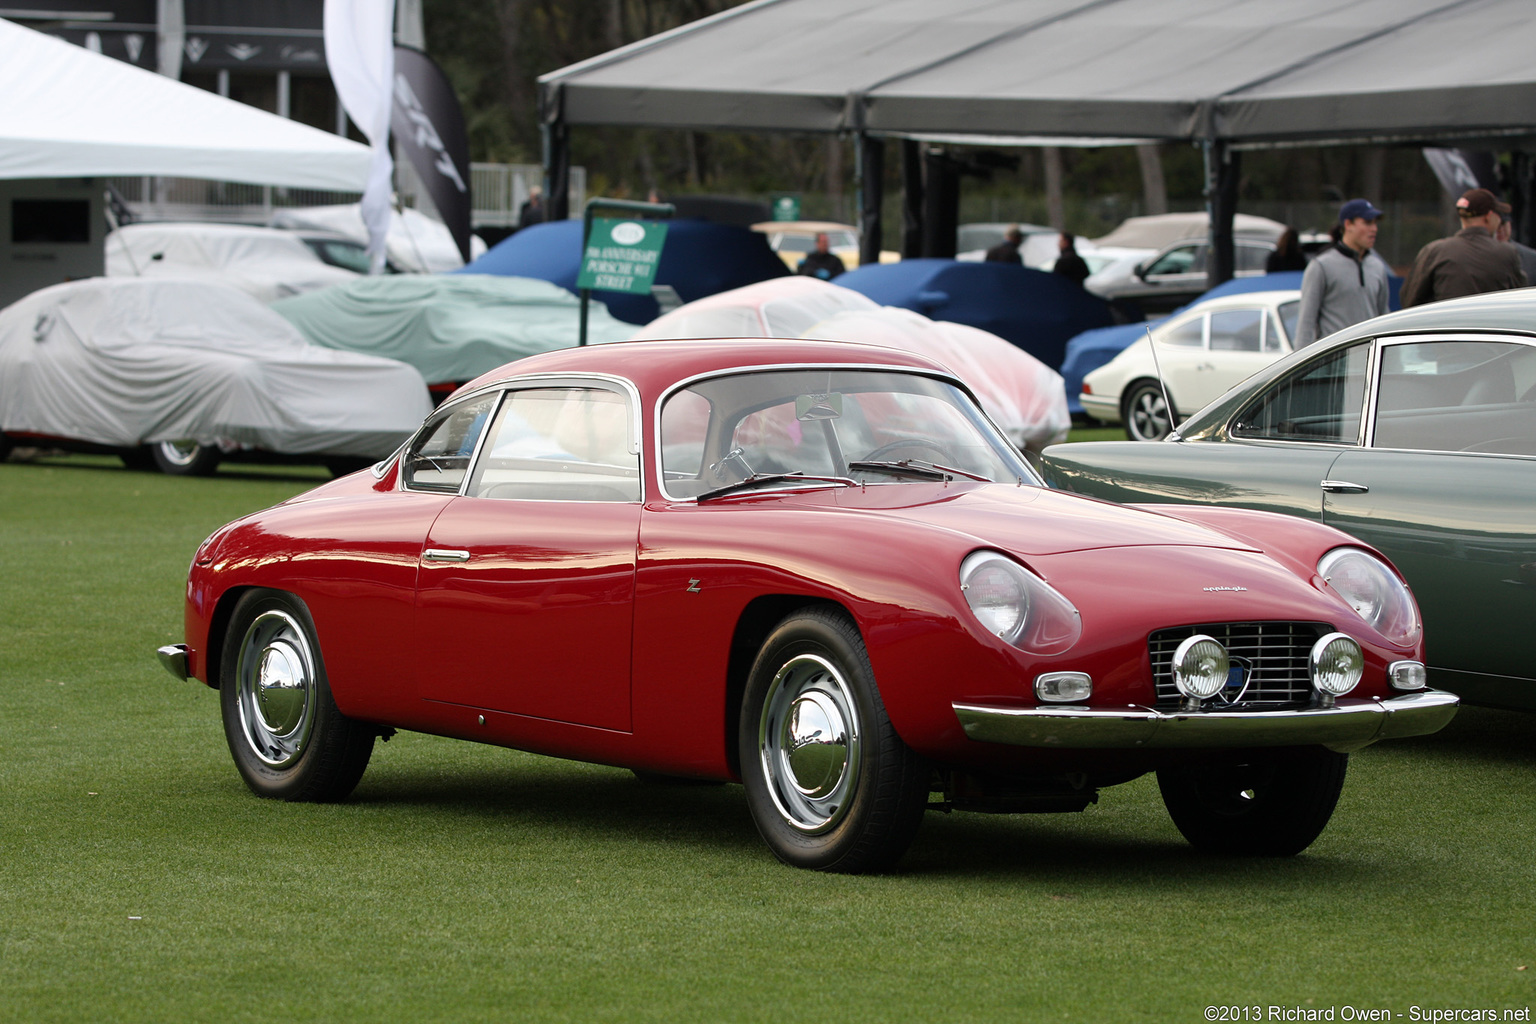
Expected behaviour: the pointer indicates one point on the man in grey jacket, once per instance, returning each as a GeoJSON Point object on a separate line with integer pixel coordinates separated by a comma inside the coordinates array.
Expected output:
{"type": "Point", "coordinates": [1346, 282]}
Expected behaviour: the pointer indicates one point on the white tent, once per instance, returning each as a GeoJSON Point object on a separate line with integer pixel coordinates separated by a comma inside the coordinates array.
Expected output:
{"type": "Point", "coordinates": [71, 113]}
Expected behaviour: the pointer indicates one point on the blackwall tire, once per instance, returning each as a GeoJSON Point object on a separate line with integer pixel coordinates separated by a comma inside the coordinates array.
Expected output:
{"type": "Point", "coordinates": [830, 784]}
{"type": "Point", "coordinates": [284, 731]}
{"type": "Point", "coordinates": [1270, 803]}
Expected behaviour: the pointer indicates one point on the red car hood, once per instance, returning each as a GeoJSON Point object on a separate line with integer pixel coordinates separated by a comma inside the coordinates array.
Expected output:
{"type": "Point", "coordinates": [1030, 520]}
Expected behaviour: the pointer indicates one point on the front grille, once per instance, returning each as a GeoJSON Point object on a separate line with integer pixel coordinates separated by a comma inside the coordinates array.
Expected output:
{"type": "Point", "coordinates": [1273, 653]}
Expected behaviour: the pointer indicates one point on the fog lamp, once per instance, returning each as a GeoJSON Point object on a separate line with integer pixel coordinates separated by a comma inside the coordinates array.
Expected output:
{"type": "Point", "coordinates": [1200, 667]}
{"type": "Point", "coordinates": [1063, 687]}
{"type": "Point", "coordinates": [1337, 665]}
{"type": "Point", "coordinates": [1407, 675]}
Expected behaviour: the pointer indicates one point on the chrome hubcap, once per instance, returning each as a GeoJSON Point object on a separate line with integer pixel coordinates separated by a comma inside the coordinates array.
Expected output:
{"type": "Point", "coordinates": [179, 453]}
{"type": "Point", "coordinates": [1149, 416]}
{"type": "Point", "coordinates": [276, 688]}
{"type": "Point", "coordinates": [808, 741]}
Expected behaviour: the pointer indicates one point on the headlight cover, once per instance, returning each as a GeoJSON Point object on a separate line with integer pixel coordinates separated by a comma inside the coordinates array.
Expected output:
{"type": "Point", "coordinates": [1013, 603]}
{"type": "Point", "coordinates": [1372, 590]}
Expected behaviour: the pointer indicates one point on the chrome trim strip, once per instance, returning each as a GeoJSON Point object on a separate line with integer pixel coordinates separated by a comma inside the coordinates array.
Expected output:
{"type": "Point", "coordinates": [1349, 725]}
{"type": "Point", "coordinates": [174, 658]}
{"type": "Point", "coordinates": [444, 555]}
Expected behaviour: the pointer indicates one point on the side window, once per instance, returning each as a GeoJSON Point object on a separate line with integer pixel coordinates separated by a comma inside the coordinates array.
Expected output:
{"type": "Point", "coordinates": [1189, 334]}
{"type": "Point", "coordinates": [1186, 259]}
{"type": "Point", "coordinates": [439, 457]}
{"type": "Point", "coordinates": [1290, 313]}
{"type": "Point", "coordinates": [1321, 401]}
{"type": "Point", "coordinates": [1237, 330]}
{"type": "Point", "coordinates": [1250, 257]}
{"type": "Point", "coordinates": [559, 444]}
{"type": "Point", "coordinates": [1457, 396]}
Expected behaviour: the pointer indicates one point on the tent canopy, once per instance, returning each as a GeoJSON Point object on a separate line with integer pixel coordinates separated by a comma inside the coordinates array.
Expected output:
{"type": "Point", "coordinates": [1240, 71]}
{"type": "Point", "coordinates": [70, 113]}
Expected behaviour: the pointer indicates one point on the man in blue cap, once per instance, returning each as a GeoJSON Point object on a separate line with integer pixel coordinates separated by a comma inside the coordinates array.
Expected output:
{"type": "Point", "coordinates": [1346, 282]}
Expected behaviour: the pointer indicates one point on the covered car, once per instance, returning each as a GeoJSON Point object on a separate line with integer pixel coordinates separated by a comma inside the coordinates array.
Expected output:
{"type": "Point", "coordinates": [450, 327]}
{"type": "Point", "coordinates": [1022, 395]}
{"type": "Point", "coordinates": [698, 259]}
{"type": "Point", "coordinates": [813, 567]}
{"type": "Point", "coordinates": [262, 262]}
{"type": "Point", "coordinates": [183, 371]}
{"type": "Point", "coordinates": [1036, 311]}
{"type": "Point", "coordinates": [1414, 432]}
{"type": "Point", "coordinates": [415, 243]}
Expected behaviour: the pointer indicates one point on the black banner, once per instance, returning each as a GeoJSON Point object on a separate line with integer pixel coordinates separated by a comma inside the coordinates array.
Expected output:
{"type": "Point", "coordinates": [1463, 169]}
{"type": "Point", "coordinates": [428, 126]}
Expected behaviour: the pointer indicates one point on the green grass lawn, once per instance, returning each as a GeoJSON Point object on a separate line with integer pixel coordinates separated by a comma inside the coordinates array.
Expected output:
{"type": "Point", "coordinates": [141, 881]}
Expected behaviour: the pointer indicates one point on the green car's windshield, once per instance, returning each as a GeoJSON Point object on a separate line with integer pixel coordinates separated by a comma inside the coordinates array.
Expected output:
{"type": "Point", "coordinates": [873, 426]}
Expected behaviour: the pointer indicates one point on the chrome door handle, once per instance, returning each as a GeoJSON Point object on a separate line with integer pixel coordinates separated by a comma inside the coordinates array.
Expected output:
{"type": "Point", "coordinates": [444, 555]}
{"type": "Point", "coordinates": [1344, 487]}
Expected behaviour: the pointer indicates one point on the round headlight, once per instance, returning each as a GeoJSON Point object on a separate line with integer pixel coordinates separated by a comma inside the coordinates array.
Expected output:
{"type": "Point", "coordinates": [1373, 590]}
{"type": "Point", "coordinates": [1200, 667]}
{"type": "Point", "coordinates": [1013, 603]}
{"type": "Point", "coordinates": [1337, 664]}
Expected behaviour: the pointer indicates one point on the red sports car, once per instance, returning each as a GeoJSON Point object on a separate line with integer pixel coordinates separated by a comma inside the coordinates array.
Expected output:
{"type": "Point", "coordinates": [818, 569]}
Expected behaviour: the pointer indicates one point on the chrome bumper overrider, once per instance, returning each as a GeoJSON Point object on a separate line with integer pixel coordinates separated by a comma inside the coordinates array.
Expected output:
{"type": "Point", "coordinates": [174, 658]}
{"type": "Point", "coordinates": [1348, 725]}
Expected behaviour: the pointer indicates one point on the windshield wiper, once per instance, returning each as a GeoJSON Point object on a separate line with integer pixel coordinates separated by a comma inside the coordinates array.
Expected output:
{"type": "Point", "coordinates": [759, 479]}
{"type": "Point", "coordinates": [919, 468]}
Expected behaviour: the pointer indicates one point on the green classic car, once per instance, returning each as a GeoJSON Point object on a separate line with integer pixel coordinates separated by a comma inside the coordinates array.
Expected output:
{"type": "Point", "coordinates": [1416, 433]}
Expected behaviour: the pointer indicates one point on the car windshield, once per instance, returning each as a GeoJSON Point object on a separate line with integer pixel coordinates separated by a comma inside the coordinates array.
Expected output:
{"type": "Point", "coordinates": [873, 427]}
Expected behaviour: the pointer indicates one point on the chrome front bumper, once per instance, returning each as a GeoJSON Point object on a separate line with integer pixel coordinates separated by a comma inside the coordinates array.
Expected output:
{"type": "Point", "coordinates": [1348, 725]}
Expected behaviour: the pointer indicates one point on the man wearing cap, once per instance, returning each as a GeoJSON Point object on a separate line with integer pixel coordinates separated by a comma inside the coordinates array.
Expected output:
{"type": "Point", "coordinates": [1470, 261]}
{"type": "Point", "coordinates": [1347, 282]}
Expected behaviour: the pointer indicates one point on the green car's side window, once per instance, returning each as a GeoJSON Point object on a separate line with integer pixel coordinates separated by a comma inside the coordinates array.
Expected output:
{"type": "Point", "coordinates": [1322, 401]}
{"type": "Point", "coordinates": [1457, 396]}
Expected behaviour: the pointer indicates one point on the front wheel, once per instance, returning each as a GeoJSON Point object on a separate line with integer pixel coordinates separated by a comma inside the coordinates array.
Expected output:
{"type": "Point", "coordinates": [185, 458]}
{"type": "Point", "coordinates": [829, 783]}
{"type": "Point", "coordinates": [287, 737]}
{"type": "Point", "coordinates": [1271, 803]}
{"type": "Point", "coordinates": [1146, 413]}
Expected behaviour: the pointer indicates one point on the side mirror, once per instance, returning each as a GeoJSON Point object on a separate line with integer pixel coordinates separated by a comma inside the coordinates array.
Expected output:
{"type": "Point", "coordinates": [1141, 270]}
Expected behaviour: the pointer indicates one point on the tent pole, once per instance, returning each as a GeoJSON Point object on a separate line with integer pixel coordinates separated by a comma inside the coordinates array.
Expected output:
{"type": "Point", "coordinates": [555, 139]}
{"type": "Point", "coordinates": [1223, 166]}
{"type": "Point", "coordinates": [870, 172]}
{"type": "Point", "coordinates": [911, 199]}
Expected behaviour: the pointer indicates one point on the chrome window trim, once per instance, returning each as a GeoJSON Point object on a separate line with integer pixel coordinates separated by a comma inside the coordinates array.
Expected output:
{"type": "Point", "coordinates": [1431, 338]}
{"type": "Point", "coordinates": [730, 371]}
{"type": "Point", "coordinates": [1367, 412]}
{"type": "Point", "coordinates": [604, 382]}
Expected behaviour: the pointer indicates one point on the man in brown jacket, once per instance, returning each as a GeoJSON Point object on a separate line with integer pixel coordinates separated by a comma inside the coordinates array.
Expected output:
{"type": "Point", "coordinates": [1470, 261]}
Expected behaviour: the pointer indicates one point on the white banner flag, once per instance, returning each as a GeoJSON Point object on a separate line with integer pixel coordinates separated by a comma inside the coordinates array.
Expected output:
{"type": "Point", "coordinates": [360, 50]}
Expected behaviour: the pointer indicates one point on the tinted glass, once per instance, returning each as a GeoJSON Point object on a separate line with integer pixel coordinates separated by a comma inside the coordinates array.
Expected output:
{"type": "Point", "coordinates": [1290, 312]}
{"type": "Point", "coordinates": [1321, 401]}
{"type": "Point", "coordinates": [1457, 396]}
{"type": "Point", "coordinates": [1237, 330]}
{"type": "Point", "coordinates": [1187, 259]}
{"type": "Point", "coordinates": [1189, 334]}
{"type": "Point", "coordinates": [439, 457]}
{"type": "Point", "coordinates": [1250, 257]}
{"type": "Point", "coordinates": [559, 444]}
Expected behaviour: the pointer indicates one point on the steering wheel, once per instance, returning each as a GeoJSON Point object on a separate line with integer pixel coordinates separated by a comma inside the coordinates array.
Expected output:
{"type": "Point", "coordinates": [908, 442]}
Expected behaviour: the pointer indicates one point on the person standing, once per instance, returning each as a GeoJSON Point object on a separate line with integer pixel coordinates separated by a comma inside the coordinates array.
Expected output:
{"type": "Point", "coordinates": [1470, 261]}
{"type": "Point", "coordinates": [1506, 234]}
{"type": "Point", "coordinates": [532, 211]}
{"type": "Point", "coordinates": [1346, 282]}
{"type": "Point", "coordinates": [1069, 264]}
{"type": "Point", "coordinates": [823, 262]}
{"type": "Point", "coordinates": [1007, 251]}
{"type": "Point", "coordinates": [1287, 254]}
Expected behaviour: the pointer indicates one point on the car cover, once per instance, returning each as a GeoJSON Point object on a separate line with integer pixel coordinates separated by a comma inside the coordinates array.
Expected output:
{"type": "Point", "coordinates": [784, 307]}
{"type": "Point", "coordinates": [450, 327]}
{"type": "Point", "coordinates": [262, 262]}
{"type": "Point", "coordinates": [129, 361]}
{"type": "Point", "coordinates": [1023, 396]}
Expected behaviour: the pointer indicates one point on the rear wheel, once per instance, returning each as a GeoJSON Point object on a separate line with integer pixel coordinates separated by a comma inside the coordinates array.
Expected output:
{"type": "Point", "coordinates": [287, 737]}
{"type": "Point", "coordinates": [1145, 413]}
{"type": "Point", "coordinates": [185, 458]}
{"type": "Point", "coordinates": [1270, 803]}
{"type": "Point", "coordinates": [829, 783]}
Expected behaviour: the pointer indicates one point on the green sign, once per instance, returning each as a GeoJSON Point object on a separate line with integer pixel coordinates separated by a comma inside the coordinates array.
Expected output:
{"type": "Point", "coordinates": [786, 207]}
{"type": "Point", "coordinates": [622, 255]}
